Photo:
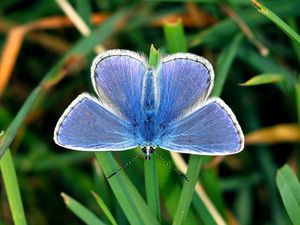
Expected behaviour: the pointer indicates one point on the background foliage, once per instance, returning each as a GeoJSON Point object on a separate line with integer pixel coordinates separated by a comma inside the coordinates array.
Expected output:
{"type": "Point", "coordinates": [46, 53]}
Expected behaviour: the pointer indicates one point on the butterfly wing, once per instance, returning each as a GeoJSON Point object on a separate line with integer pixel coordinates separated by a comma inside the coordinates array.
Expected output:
{"type": "Point", "coordinates": [117, 77]}
{"type": "Point", "coordinates": [184, 81]}
{"type": "Point", "coordinates": [210, 130]}
{"type": "Point", "coordinates": [87, 125]}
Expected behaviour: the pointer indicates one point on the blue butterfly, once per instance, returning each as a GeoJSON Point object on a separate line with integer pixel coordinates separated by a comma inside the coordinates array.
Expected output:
{"type": "Point", "coordinates": [138, 105]}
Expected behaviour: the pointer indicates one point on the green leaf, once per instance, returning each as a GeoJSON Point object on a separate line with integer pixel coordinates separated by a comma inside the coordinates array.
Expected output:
{"type": "Point", "coordinates": [227, 28]}
{"type": "Point", "coordinates": [81, 211]}
{"type": "Point", "coordinates": [297, 93]}
{"type": "Point", "coordinates": [243, 205]}
{"type": "Point", "coordinates": [267, 78]}
{"type": "Point", "coordinates": [171, 187]}
{"type": "Point", "coordinates": [225, 60]}
{"type": "Point", "coordinates": [211, 182]}
{"type": "Point", "coordinates": [224, 63]}
{"type": "Point", "coordinates": [268, 169]}
{"type": "Point", "coordinates": [268, 65]}
{"type": "Point", "coordinates": [130, 200]}
{"type": "Point", "coordinates": [277, 20]}
{"type": "Point", "coordinates": [151, 179]}
{"type": "Point", "coordinates": [18, 120]}
{"type": "Point", "coordinates": [188, 189]}
{"type": "Point", "coordinates": [151, 185]}
{"type": "Point", "coordinates": [176, 42]}
{"type": "Point", "coordinates": [153, 57]}
{"type": "Point", "coordinates": [174, 35]}
{"type": "Point", "coordinates": [289, 188]}
{"type": "Point", "coordinates": [12, 189]}
{"type": "Point", "coordinates": [293, 23]}
{"type": "Point", "coordinates": [201, 209]}
{"type": "Point", "coordinates": [85, 10]}
{"type": "Point", "coordinates": [104, 208]}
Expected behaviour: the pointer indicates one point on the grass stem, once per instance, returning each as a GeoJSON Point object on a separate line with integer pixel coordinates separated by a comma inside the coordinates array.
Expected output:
{"type": "Point", "coordinates": [12, 188]}
{"type": "Point", "coordinates": [151, 179]}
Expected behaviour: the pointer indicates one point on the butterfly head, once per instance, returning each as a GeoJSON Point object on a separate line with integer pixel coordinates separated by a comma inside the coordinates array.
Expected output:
{"type": "Point", "coordinates": [148, 150]}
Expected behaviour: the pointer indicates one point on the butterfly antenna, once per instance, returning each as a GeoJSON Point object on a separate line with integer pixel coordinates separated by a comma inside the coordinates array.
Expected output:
{"type": "Point", "coordinates": [171, 167]}
{"type": "Point", "coordinates": [124, 166]}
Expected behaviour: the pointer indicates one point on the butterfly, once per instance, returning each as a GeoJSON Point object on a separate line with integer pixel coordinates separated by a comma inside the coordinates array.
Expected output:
{"type": "Point", "coordinates": [137, 105]}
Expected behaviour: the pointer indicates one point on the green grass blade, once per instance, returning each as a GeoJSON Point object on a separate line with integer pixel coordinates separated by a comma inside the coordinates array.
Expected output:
{"type": "Point", "coordinates": [81, 211]}
{"type": "Point", "coordinates": [170, 187]}
{"type": "Point", "coordinates": [153, 57]}
{"type": "Point", "coordinates": [104, 208]}
{"type": "Point", "coordinates": [262, 64]}
{"type": "Point", "coordinates": [174, 35]}
{"type": "Point", "coordinates": [84, 9]}
{"type": "Point", "coordinates": [151, 185]}
{"type": "Point", "coordinates": [266, 66]}
{"type": "Point", "coordinates": [151, 179]}
{"type": "Point", "coordinates": [244, 207]}
{"type": "Point", "coordinates": [268, 168]}
{"type": "Point", "coordinates": [224, 63]}
{"type": "Point", "coordinates": [170, 31]}
{"type": "Point", "coordinates": [18, 120]}
{"type": "Point", "coordinates": [289, 188]}
{"type": "Point", "coordinates": [277, 20]}
{"type": "Point", "coordinates": [130, 200]}
{"type": "Point", "coordinates": [188, 189]}
{"type": "Point", "coordinates": [12, 189]}
{"type": "Point", "coordinates": [201, 210]}
{"type": "Point", "coordinates": [227, 28]}
{"type": "Point", "coordinates": [210, 179]}
{"type": "Point", "coordinates": [83, 47]}
{"type": "Point", "coordinates": [297, 93]}
{"type": "Point", "coordinates": [293, 23]}
{"type": "Point", "coordinates": [176, 42]}
{"type": "Point", "coordinates": [267, 78]}
{"type": "Point", "coordinates": [211, 182]}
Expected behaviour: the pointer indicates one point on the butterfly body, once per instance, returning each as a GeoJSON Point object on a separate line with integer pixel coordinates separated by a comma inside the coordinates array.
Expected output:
{"type": "Point", "coordinates": [147, 123]}
{"type": "Point", "coordinates": [138, 105]}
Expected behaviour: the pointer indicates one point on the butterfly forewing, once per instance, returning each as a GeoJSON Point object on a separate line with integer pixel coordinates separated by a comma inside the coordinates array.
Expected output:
{"type": "Point", "coordinates": [117, 77]}
{"type": "Point", "coordinates": [184, 81]}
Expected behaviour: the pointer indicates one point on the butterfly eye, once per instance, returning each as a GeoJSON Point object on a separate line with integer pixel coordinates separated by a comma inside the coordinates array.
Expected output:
{"type": "Point", "coordinates": [151, 150]}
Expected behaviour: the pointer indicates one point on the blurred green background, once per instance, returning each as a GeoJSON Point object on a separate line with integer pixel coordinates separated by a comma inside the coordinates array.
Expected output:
{"type": "Point", "coordinates": [45, 64]}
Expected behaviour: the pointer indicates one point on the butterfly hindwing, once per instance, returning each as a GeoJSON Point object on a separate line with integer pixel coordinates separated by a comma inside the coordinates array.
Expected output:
{"type": "Point", "coordinates": [87, 125]}
{"type": "Point", "coordinates": [210, 130]}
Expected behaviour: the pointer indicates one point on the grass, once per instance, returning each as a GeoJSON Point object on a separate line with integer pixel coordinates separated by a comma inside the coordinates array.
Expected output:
{"type": "Point", "coordinates": [12, 189]}
{"type": "Point", "coordinates": [45, 63]}
{"type": "Point", "coordinates": [151, 178]}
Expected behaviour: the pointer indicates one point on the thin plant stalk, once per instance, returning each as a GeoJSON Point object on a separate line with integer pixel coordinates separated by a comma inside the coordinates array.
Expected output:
{"type": "Point", "coordinates": [151, 179]}
{"type": "Point", "coordinates": [188, 189]}
{"type": "Point", "coordinates": [12, 188]}
{"type": "Point", "coordinates": [277, 20]}
{"type": "Point", "coordinates": [176, 42]}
